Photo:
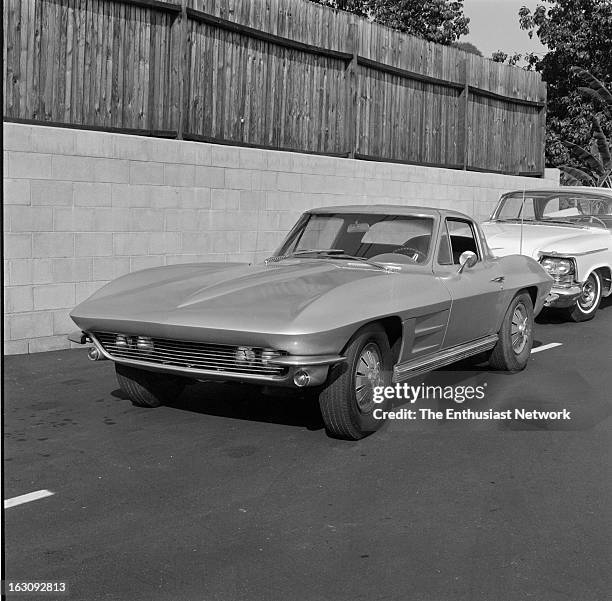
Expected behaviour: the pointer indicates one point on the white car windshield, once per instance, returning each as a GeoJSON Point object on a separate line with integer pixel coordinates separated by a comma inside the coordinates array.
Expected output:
{"type": "Point", "coordinates": [580, 208]}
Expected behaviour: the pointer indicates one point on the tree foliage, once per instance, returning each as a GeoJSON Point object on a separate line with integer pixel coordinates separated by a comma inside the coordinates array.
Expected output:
{"type": "Point", "coordinates": [596, 161]}
{"type": "Point", "coordinates": [439, 21]}
{"type": "Point", "coordinates": [576, 33]}
{"type": "Point", "coordinates": [467, 47]}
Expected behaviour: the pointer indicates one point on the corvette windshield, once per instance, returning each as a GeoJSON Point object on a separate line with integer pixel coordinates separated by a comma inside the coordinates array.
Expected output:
{"type": "Point", "coordinates": [579, 208]}
{"type": "Point", "coordinates": [384, 238]}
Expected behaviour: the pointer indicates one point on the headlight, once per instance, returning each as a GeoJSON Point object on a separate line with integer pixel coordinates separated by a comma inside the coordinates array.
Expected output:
{"type": "Point", "coordinates": [556, 266]}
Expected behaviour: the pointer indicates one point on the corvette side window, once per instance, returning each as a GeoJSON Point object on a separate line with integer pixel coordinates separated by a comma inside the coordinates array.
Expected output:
{"type": "Point", "coordinates": [461, 236]}
{"type": "Point", "coordinates": [445, 256]}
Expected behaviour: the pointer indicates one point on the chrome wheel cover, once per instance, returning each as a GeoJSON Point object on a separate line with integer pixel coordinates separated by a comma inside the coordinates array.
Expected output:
{"type": "Point", "coordinates": [520, 329]}
{"type": "Point", "coordinates": [590, 293]}
{"type": "Point", "coordinates": [368, 374]}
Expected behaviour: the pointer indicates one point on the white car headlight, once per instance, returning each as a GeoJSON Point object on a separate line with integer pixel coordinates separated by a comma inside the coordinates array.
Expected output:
{"type": "Point", "coordinates": [556, 266]}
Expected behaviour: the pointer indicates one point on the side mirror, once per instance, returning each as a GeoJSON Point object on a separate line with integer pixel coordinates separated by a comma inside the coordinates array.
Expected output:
{"type": "Point", "coordinates": [467, 259]}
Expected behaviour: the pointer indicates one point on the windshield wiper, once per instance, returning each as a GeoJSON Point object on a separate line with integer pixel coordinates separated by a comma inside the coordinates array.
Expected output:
{"type": "Point", "coordinates": [305, 251]}
{"type": "Point", "coordinates": [336, 253]}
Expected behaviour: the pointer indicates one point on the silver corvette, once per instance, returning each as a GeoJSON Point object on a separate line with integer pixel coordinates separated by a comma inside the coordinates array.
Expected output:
{"type": "Point", "coordinates": [355, 297]}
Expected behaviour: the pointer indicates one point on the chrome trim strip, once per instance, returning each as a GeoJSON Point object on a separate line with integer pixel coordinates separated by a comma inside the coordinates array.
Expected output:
{"type": "Point", "coordinates": [553, 253]}
{"type": "Point", "coordinates": [189, 371]}
{"type": "Point", "coordinates": [417, 367]}
{"type": "Point", "coordinates": [297, 360]}
{"type": "Point", "coordinates": [418, 332]}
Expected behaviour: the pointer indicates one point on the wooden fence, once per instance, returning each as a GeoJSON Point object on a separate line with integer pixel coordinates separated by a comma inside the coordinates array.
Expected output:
{"type": "Point", "coordinates": [283, 74]}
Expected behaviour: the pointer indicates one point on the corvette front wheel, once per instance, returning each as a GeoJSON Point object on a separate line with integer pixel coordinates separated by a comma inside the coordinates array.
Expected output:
{"type": "Point", "coordinates": [146, 388]}
{"type": "Point", "coordinates": [348, 401]}
{"type": "Point", "coordinates": [513, 347]}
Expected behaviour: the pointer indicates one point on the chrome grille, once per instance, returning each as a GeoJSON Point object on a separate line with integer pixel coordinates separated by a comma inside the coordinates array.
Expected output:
{"type": "Point", "coordinates": [193, 355]}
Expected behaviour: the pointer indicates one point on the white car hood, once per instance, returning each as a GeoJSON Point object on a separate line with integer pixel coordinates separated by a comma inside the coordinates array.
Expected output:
{"type": "Point", "coordinates": [505, 239]}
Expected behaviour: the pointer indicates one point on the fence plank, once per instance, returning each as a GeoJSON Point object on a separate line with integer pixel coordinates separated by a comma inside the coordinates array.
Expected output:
{"type": "Point", "coordinates": [275, 73]}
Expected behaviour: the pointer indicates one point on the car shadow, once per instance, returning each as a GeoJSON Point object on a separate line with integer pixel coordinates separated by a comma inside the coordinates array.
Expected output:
{"type": "Point", "coordinates": [240, 401]}
{"type": "Point", "coordinates": [549, 316]}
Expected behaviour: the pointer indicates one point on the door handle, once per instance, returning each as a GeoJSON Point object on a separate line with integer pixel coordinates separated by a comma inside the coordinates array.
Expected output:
{"type": "Point", "coordinates": [498, 279]}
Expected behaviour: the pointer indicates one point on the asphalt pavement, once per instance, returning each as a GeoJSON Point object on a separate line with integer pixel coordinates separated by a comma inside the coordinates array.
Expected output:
{"type": "Point", "coordinates": [232, 496]}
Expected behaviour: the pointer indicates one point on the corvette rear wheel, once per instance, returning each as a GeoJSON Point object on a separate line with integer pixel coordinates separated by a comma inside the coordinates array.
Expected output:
{"type": "Point", "coordinates": [513, 348]}
{"type": "Point", "coordinates": [347, 401]}
{"type": "Point", "coordinates": [588, 301]}
{"type": "Point", "coordinates": [146, 388]}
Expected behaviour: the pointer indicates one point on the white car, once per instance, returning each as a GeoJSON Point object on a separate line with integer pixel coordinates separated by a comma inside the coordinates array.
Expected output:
{"type": "Point", "coordinates": [569, 231]}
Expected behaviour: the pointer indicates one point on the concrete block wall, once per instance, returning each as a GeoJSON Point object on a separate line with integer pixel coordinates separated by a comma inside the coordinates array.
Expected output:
{"type": "Point", "coordinates": [83, 207]}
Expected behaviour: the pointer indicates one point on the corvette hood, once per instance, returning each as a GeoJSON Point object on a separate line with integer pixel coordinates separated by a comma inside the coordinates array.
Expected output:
{"type": "Point", "coordinates": [292, 295]}
{"type": "Point", "coordinates": [505, 238]}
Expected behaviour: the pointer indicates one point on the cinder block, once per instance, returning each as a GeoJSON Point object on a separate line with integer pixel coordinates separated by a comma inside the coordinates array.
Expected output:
{"type": "Point", "coordinates": [17, 136]}
{"type": "Point", "coordinates": [52, 245]}
{"type": "Point", "coordinates": [225, 156]}
{"type": "Point", "coordinates": [163, 197]}
{"type": "Point", "coordinates": [194, 153]}
{"type": "Point", "coordinates": [225, 242]}
{"type": "Point", "coordinates": [246, 257]}
{"type": "Point", "coordinates": [109, 268]}
{"type": "Point", "coordinates": [50, 192]}
{"type": "Point", "coordinates": [233, 220]}
{"type": "Point", "coordinates": [89, 194]}
{"type": "Point", "coordinates": [264, 180]}
{"type": "Point", "coordinates": [30, 325]}
{"type": "Point", "coordinates": [54, 296]}
{"type": "Point", "coordinates": [182, 220]}
{"type": "Point", "coordinates": [95, 144]}
{"type": "Point", "coordinates": [239, 179]}
{"type": "Point", "coordinates": [15, 347]}
{"type": "Point", "coordinates": [132, 147]}
{"type": "Point", "coordinates": [253, 200]}
{"type": "Point", "coordinates": [29, 271]}
{"type": "Point", "coordinates": [196, 198]}
{"type": "Point", "coordinates": [112, 170]}
{"type": "Point", "coordinates": [51, 343]}
{"type": "Point", "coordinates": [30, 166]}
{"type": "Point", "coordinates": [248, 242]}
{"type": "Point", "coordinates": [282, 161]}
{"type": "Point", "coordinates": [138, 263]}
{"type": "Point", "coordinates": [145, 220]}
{"type": "Point", "coordinates": [164, 243]}
{"type": "Point", "coordinates": [93, 244]}
{"type": "Point", "coordinates": [28, 219]}
{"type": "Point", "coordinates": [146, 173]}
{"type": "Point", "coordinates": [287, 220]}
{"type": "Point", "coordinates": [200, 242]}
{"type": "Point", "coordinates": [225, 199]}
{"type": "Point", "coordinates": [72, 270]}
{"type": "Point", "coordinates": [289, 181]}
{"type": "Point", "coordinates": [62, 324]}
{"type": "Point", "coordinates": [18, 299]}
{"type": "Point", "coordinates": [127, 195]}
{"type": "Point", "coordinates": [73, 219]}
{"type": "Point", "coordinates": [210, 177]}
{"type": "Point", "coordinates": [130, 244]}
{"type": "Point", "coordinates": [252, 158]}
{"type": "Point", "coordinates": [85, 289]}
{"type": "Point", "coordinates": [268, 220]}
{"type": "Point", "coordinates": [17, 246]}
{"type": "Point", "coordinates": [179, 175]}
{"type": "Point", "coordinates": [16, 192]}
{"type": "Point", "coordinates": [71, 168]}
{"type": "Point", "coordinates": [53, 140]}
{"type": "Point", "coordinates": [315, 184]}
{"type": "Point", "coordinates": [163, 151]}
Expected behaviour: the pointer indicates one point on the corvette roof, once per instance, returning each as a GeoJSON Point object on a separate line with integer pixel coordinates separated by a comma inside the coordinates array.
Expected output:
{"type": "Point", "coordinates": [389, 210]}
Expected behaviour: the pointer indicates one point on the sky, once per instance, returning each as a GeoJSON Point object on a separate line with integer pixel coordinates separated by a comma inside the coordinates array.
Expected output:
{"type": "Point", "coordinates": [494, 26]}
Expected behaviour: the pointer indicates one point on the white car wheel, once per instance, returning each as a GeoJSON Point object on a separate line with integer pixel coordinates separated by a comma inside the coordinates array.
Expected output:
{"type": "Point", "coordinates": [589, 299]}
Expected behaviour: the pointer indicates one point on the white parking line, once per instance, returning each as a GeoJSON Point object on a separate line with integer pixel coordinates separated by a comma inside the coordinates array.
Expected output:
{"type": "Point", "coordinates": [31, 496]}
{"type": "Point", "coordinates": [545, 347]}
